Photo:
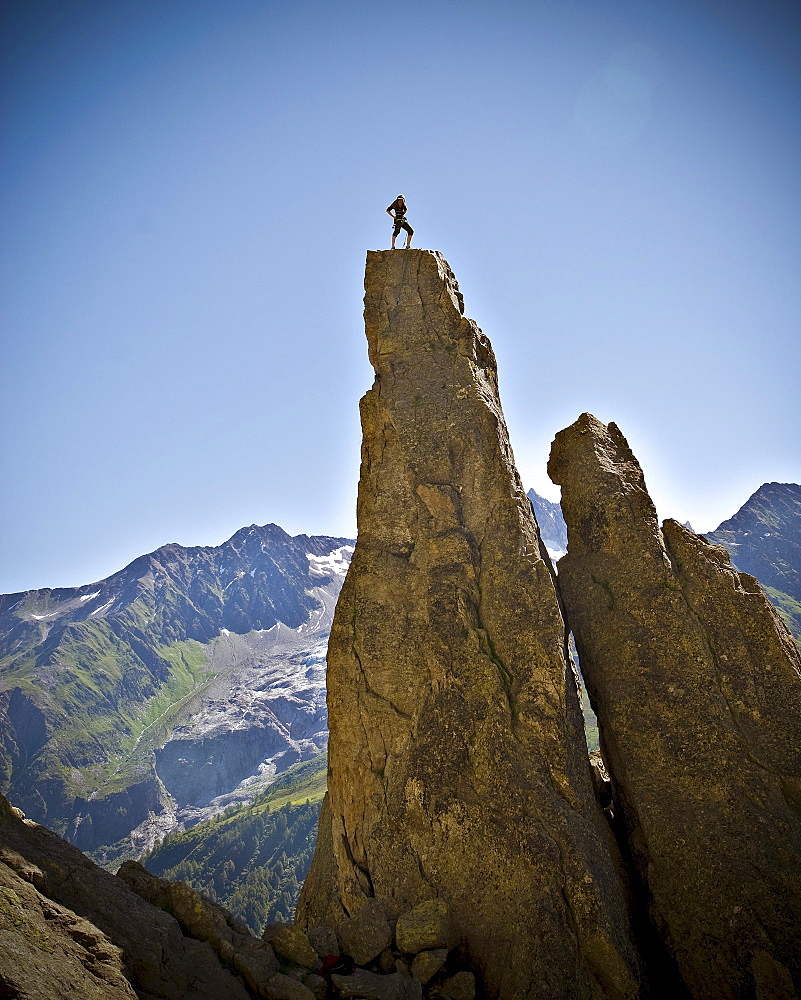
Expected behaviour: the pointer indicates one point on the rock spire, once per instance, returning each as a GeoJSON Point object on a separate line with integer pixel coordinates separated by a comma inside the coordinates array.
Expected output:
{"type": "Point", "coordinates": [457, 763]}
{"type": "Point", "coordinates": [697, 687]}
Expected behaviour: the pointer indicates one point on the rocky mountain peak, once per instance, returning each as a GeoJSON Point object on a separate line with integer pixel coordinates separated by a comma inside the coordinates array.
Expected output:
{"type": "Point", "coordinates": [764, 537]}
{"type": "Point", "coordinates": [551, 524]}
{"type": "Point", "coordinates": [456, 758]}
{"type": "Point", "coordinates": [783, 500]}
{"type": "Point", "coordinates": [697, 688]}
{"type": "Point", "coordinates": [256, 534]}
{"type": "Point", "coordinates": [117, 695]}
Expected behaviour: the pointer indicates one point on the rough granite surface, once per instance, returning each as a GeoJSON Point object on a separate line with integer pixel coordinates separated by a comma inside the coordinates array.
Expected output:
{"type": "Point", "coordinates": [48, 951]}
{"type": "Point", "coordinates": [697, 687]}
{"type": "Point", "coordinates": [199, 917]}
{"type": "Point", "coordinates": [115, 928]}
{"type": "Point", "coordinates": [457, 762]}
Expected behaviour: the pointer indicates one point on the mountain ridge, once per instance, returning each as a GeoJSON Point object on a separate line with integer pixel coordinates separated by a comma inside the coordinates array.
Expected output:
{"type": "Point", "coordinates": [551, 523]}
{"type": "Point", "coordinates": [166, 557]}
{"type": "Point", "coordinates": [764, 537]}
{"type": "Point", "coordinates": [95, 678]}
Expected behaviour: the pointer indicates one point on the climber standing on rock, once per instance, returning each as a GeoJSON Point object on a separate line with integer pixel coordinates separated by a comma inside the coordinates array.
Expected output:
{"type": "Point", "coordinates": [398, 212]}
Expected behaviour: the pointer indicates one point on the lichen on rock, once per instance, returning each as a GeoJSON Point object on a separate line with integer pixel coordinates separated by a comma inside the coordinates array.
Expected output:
{"type": "Point", "coordinates": [428, 925]}
{"type": "Point", "coordinates": [457, 763]}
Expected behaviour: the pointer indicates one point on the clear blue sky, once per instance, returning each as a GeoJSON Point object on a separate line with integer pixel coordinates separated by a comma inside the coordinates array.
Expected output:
{"type": "Point", "coordinates": [189, 188]}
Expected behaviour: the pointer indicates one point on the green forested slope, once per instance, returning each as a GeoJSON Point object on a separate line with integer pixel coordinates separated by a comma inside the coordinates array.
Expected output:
{"type": "Point", "coordinates": [253, 858]}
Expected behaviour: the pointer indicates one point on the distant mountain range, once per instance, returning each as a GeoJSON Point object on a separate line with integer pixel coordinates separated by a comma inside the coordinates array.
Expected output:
{"type": "Point", "coordinates": [764, 539]}
{"type": "Point", "coordinates": [553, 529]}
{"type": "Point", "coordinates": [160, 695]}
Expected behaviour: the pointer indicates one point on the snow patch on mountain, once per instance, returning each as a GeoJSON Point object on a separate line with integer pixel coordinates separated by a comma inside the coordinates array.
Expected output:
{"type": "Point", "coordinates": [334, 564]}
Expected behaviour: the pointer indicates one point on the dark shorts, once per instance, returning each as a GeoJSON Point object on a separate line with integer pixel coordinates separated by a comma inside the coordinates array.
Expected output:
{"type": "Point", "coordinates": [402, 224]}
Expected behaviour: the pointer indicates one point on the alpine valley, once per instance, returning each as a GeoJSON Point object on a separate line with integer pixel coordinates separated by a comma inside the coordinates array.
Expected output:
{"type": "Point", "coordinates": [181, 685]}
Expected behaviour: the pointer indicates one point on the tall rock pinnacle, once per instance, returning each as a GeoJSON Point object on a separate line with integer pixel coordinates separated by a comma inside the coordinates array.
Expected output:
{"type": "Point", "coordinates": [697, 688]}
{"type": "Point", "coordinates": [457, 762]}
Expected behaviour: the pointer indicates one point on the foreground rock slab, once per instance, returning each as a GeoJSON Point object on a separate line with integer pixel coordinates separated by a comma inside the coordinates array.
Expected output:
{"type": "Point", "coordinates": [365, 935]}
{"type": "Point", "coordinates": [202, 918]}
{"type": "Point", "coordinates": [697, 687]}
{"type": "Point", "coordinates": [291, 943]}
{"type": "Point", "coordinates": [458, 767]}
{"type": "Point", "coordinates": [368, 986]}
{"type": "Point", "coordinates": [48, 951]}
{"type": "Point", "coordinates": [115, 929]}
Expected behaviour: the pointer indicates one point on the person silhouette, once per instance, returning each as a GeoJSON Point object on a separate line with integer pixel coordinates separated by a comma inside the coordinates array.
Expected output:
{"type": "Point", "coordinates": [398, 207]}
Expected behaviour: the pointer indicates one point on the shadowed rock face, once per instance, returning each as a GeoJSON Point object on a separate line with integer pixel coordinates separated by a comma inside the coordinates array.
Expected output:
{"type": "Point", "coordinates": [87, 933]}
{"type": "Point", "coordinates": [458, 768]}
{"type": "Point", "coordinates": [47, 950]}
{"type": "Point", "coordinates": [697, 687]}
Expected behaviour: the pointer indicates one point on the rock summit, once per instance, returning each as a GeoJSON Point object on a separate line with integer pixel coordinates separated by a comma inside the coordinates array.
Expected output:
{"type": "Point", "coordinates": [697, 686]}
{"type": "Point", "coordinates": [458, 768]}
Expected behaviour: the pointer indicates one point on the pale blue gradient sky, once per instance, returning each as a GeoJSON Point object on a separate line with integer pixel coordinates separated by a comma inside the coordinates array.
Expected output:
{"type": "Point", "coordinates": [189, 188]}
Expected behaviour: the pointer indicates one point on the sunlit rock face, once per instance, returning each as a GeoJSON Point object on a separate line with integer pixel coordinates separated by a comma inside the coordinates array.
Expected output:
{"type": "Point", "coordinates": [458, 767]}
{"type": "Point", "coordinates": [697, 687]}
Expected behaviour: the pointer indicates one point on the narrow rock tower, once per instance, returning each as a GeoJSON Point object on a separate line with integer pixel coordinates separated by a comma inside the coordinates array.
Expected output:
{"type": "Point", "coordinates": [697, 687]}
{"type": "Point", "coordinates": [457, 762]}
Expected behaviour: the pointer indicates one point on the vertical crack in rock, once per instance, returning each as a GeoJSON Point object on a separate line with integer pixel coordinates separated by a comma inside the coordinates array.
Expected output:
{"type": "Point", "coordinates": [461, 677]}
{"type": "Point", "coordinates": [697, 687]}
